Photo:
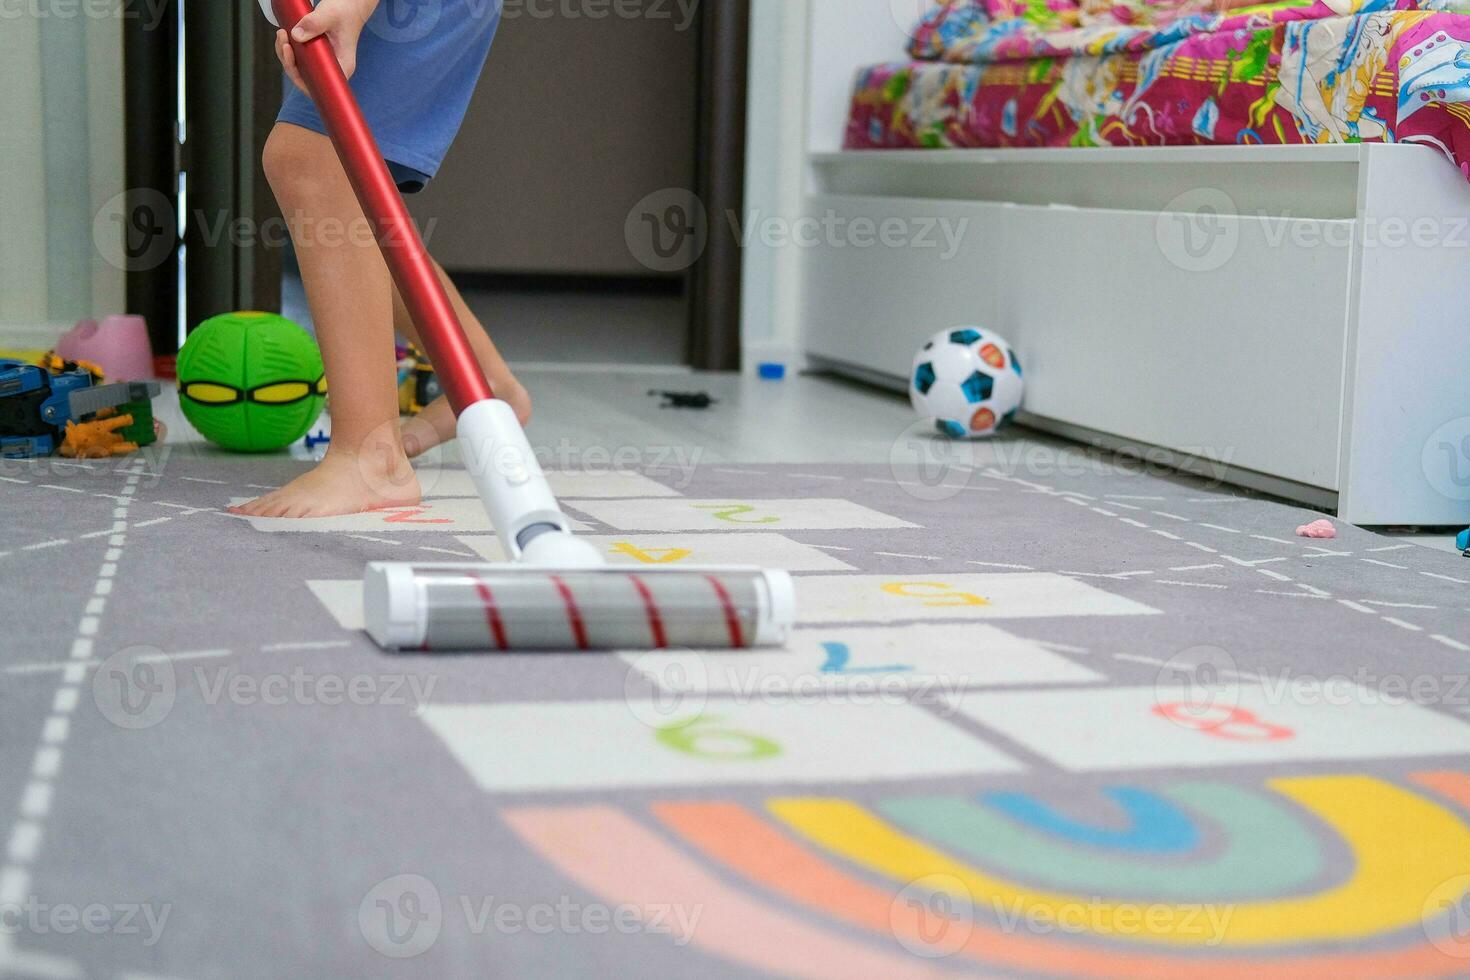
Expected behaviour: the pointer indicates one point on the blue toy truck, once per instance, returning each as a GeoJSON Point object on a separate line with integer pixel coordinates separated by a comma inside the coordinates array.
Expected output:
{"type": "Point", "coordinates": [36, 404]}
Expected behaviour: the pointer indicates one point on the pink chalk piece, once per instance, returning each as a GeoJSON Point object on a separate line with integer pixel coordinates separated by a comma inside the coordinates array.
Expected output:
{"type": "Point", "coordinates": [119, 345]}
{"type": "Point", "coordinates": [1317, 529]}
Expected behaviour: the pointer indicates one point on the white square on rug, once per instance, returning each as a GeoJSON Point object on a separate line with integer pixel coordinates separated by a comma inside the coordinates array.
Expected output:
{"type": "Point", "coordinates": [709, 548]}
{"type": "Point", "coordinates": [453, 515]}
{"type": "Point", "coordinates": [611, 744]}
{"type": "Point", "coordinates": [1164, 727]}
{"type": "Point", "coordinates": [870, 662]}
{"type": "Point", "coordinates": [728, 514]}
{"type": "Point", "coordinates": [564, 483]}
{"type": "Point", "coordinates": [941, 596]}
{"type": "Point", "coordinates": [342, 598]}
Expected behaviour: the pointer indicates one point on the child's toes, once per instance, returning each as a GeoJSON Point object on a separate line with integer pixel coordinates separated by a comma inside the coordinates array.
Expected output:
{"type": "Point", "coordinates": [259, 507]}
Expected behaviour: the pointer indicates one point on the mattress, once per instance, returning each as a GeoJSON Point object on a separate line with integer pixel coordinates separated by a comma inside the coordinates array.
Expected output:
{"type": "Point", "coordinates": [1281, 75]}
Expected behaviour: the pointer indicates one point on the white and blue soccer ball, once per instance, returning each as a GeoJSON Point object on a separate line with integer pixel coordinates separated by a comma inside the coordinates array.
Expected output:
{"type": "Point", "coordinates": [968, 381]}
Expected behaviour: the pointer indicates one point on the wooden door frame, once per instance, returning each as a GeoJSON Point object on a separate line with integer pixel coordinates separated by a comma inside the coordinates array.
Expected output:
{"type": "Point", "coordinates": [714, 283]}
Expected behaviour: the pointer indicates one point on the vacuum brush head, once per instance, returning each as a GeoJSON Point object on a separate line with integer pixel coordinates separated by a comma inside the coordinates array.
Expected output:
{"type": "Point", "coordinates": [493, 608]}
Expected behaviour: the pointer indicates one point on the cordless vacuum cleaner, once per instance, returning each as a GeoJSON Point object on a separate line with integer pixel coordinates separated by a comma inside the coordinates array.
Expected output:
{"type": "Point", "coordinates": [557, 594]}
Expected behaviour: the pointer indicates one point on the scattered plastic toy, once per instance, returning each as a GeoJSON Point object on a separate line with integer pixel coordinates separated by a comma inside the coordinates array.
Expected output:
{"type": "Point", "coordinates": [118, 343]}
{"type": "Point", "coordinates": [418, 385]}
{"type": "Point", "coordinates": [57, 364]}
{"type": "Point", "coordinates": [320, 439]}
{"type": "Point", "coordinates": [772, 371]}
{"type": "Point", "coordinates": [98, 439]}
{"type": "Point", "coordinates": [1462, 541]}
{"type": "Point", "coordinates": [38, 402]}
{"type": "Point", "coordinates": [1317, 529]}
{"type": "Point", "coordinates": [145, 429]}
{"type": "Point", "coordinates": [699, 400]}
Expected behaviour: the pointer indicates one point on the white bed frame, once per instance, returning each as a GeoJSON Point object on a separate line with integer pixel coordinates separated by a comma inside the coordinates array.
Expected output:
{"type": "Point", "coordinates": [1315, 343]}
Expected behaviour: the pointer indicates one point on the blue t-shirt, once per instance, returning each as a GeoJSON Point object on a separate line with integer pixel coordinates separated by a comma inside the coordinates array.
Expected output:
{"type": "Point", "coordinates": [417, 65]}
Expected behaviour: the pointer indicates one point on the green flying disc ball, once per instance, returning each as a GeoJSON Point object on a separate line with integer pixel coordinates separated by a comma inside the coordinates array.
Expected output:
{"type": "Point", "coordinates": [251, 382]}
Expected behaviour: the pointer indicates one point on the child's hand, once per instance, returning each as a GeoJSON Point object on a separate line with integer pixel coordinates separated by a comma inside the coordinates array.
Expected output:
{"type": "Point", "coordinates": [341, 21]}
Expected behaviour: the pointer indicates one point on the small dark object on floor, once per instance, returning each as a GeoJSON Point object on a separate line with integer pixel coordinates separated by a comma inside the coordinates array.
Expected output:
{"type": "Point", "coordinates": [684, 399]}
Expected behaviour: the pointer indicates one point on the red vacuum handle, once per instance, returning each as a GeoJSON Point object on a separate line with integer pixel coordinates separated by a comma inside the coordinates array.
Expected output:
{"type": "Point", "coordinates": [408, 260]}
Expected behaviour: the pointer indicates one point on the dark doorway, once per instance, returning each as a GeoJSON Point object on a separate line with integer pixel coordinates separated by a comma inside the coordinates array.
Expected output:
{"type": "Point", "coordinates": [150, 97]}
{"type": "Point", "coordinates": [201, 89]}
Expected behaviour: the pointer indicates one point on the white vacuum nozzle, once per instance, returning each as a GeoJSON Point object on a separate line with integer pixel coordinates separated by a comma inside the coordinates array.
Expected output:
{"type": "Point", "coordinates": [519, 607]}
{"type": "Point", "coordinates": [558, 549]}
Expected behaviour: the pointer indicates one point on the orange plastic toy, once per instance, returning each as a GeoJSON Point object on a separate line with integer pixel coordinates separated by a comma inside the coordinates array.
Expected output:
{"type": "Point", "coordinates": [97, 440]}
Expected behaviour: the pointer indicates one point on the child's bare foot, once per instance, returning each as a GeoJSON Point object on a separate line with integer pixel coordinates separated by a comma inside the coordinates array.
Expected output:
{"type": "Point", "coordinates": [342, 483]}
{"type": "Point", "coordinates": [435, 424]}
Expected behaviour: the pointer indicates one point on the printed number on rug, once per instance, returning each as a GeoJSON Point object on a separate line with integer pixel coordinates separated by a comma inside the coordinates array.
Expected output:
{"type": "Point", "coordinates": [1223, 721]}
{"type": "Point", "coordinates": [934, 594]}
{"type": "Point", "coordinates": [704, 738]}
{"type": "Point", "coordinates": [413, 515]}
{"type": "Point", "coordinates": [737, 514]}
{"type": "Point", "coordinates": [651, 556]}
{"type": "Point", "coordinates": [838, 655]}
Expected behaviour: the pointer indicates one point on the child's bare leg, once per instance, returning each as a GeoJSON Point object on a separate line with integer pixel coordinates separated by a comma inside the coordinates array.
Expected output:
{"type": "Point", "coordinates": [435, 424]}
{"type": "Point", "coordinates": [351, 299]}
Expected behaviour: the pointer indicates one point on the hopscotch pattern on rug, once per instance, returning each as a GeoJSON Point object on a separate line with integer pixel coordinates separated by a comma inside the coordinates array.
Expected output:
{"type": "Point", "coordinates": [860, 866]}
{"type": "Point", "coordinates": [841, 599]}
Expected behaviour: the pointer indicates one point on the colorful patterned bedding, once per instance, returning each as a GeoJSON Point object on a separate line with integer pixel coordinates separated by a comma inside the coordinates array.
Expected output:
{"type": "Point", "coordinates": [996, 73]}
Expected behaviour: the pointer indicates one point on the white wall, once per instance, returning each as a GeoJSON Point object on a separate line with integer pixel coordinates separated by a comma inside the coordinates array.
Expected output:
{"type": "Point", "coordinates": [803, 62]}
{"type": "Point", "coordinates": [775, 176]}
{"type": "Point", "coordinates": [63, 161]}
{"type": "Point", "coordinates": [22, 175]}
